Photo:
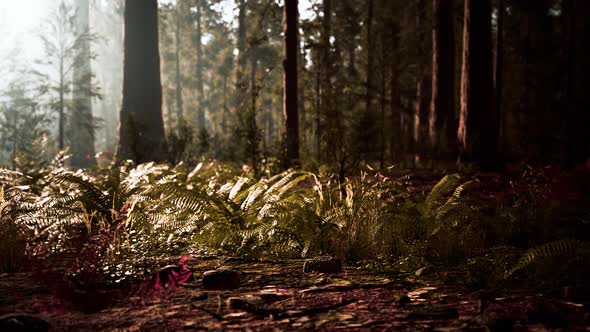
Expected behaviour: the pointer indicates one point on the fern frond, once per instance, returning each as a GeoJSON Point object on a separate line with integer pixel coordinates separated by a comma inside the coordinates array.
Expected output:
{"type": "Point", "coordinates": [443, 187]}
{"type": "Point", "coordinates": [549, 250]}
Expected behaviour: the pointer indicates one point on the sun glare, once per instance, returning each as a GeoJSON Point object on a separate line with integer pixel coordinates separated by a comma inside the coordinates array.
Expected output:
{"type": "Point", "coordinates": [20, 22]}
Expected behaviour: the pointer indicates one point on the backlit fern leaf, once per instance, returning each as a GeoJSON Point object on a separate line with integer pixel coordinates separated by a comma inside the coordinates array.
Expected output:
{"type": "Point", "coordinates": [443, 187]}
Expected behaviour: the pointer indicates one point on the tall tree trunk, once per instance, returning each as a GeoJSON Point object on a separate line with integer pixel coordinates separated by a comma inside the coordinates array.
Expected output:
{"type": "Point", "coordinates": [61, 106]}
{"type": "Point", "coordinates": [141, 130]}
{"type": "Point", "coordinates": [498, 77]}
{"type": "Point", "coordinates": [178, 78]}
{"type": "Point", "coordinates": [301, 103]}
{"type": "Point", "coordinates": [422, 89]}
{"type": "Point", "coordinates": [367, 122]}
{"type": "Point", "coordinates": [251, 125]}
{"type": "Point", "coordinates": [318, 112]}
{"type": "Point", "coordinates": [290, 102]}
{"type": "Point", "coordinates": [443, 126]}
{"type": "Point", "coordinates": [225, 107]}
{"type": "Point", "coordinates": [326, 64]}
{"type": "Point", "coordinates": [478, 132]}
{"type": "Point", "coordinates": [576, 144]}
{"type": "Point", "coordinates": [397, 133]}
{"type": "Point", "coordinates": [382, 97]}
{"type": "Point", "coordinates": [201, 125]}
{"type": "Point", "coordinates": [241, 83]}
{"type": "Point", "coordinates": [82, 125]}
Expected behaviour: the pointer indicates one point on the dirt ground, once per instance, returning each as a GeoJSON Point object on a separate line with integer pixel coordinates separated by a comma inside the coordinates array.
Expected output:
{"type": "Point", "coordinates": [277, 295]}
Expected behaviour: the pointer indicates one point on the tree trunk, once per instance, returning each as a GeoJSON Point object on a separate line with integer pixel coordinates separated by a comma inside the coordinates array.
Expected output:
{"type": "Point", "coordinates": [498, 76]}
{"type": "Point", "coordinates": [178, 78]}
{"type": "Point", "coordinates": [326, 65]}
{"type": "Point", "coordinates": [422, 89]}
{"type": "Point", "coordinates": [443, 126]}
{"type": "Point", "coordinates": [201, 125]}
{"type": "Point", "coordinates": [241, 83]}
{"type": "Point", "coordinates": [225, 108]}
{"type": "Point", "coordinates": [382, 98]}
{"type": "Point", "coordinates": [141, 130]}
{"type": "Point", "coordinates": [301, 102]}
{"type": "Point", "coordinates": [61, 106]}
{"type": "Point", "coordinates": [367, 122]}
{"type": "Point", "coordinates": [397, 133]}
{"type": "Point", "coordinates": [251, 125]}
{"type": "Point", "coordinates": [318, 104]}
{"type": "Point", "coordinates": [82, 126]}
{"type": "Point", "coordinates": [290, 106]}
{"type": "Point", "coordinates": [477, 132]}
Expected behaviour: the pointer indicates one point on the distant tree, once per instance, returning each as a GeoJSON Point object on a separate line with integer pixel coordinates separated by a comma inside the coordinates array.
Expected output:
{"type": "Point", "coordinates": [22, 121]}
{"type": "Point", "coordinates": [82, 124]}
{"type": "Point", "coordinates": [325, 95]}
{"type": "Point", "coordinates": [203, 133]}
{"type": "Point", "coordinates": [108, 20]}
{"type": "Point", "coordinates": [478, 131]}
{"type": "Point", "coordinates": [241, 81]}
{"type": "Point", "coordinates": [443, 125]}
{"type": "Point", "coordinates": [141, 130]}
{"type": "Point", "coordinates": [397, 135]}
{"type": "Point", "coordinates": [290, 102]}
{"type": "Point", "coordinates": [66, 51]}
{"type": "Point", "coordinates": [177, 71]}
{"type": "Point", "coordinates": [422, 80]}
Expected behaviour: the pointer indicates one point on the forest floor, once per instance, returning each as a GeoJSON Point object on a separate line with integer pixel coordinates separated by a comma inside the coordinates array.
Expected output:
{"type": "Point", "coordinates": [277, 295]}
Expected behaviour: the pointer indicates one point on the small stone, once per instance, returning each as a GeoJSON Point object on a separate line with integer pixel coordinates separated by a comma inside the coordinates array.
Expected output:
{"type": "Point", "coordinates": [241, 303]}
{"type": "Point", "coordinates": [323, 264]}
{"type": "Point", "coordinates": [221, 279]}
{"type": "Point", "coordinates": [436, 312]}
{"type": "Point", "coordinates": [199, 297]}
{"type": "Point", "coordinates": [23, 322]}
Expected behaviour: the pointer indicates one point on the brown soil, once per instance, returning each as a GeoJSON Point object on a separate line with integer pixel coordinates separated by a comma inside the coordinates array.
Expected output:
{"type": "Point", "coordinates": [279, 296]}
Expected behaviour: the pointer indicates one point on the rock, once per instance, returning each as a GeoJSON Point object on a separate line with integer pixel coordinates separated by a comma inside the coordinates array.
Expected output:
{"type": "Point", "coordinates": [323, 264]}
{"type": "Point", "coordinates": [199, 297]}
{"type": "Point", "coordinates": [23, 322]}
{"type": "Point", "coordinates": [243, 303]}
{"type": "Point", "coordinates": [221, 279]}
{"type": "Point", "coordinates": [435, 312]}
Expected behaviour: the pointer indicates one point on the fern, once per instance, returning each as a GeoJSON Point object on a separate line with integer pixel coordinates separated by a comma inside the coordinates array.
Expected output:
{"type": "Point", "coordinates": [559, 248]}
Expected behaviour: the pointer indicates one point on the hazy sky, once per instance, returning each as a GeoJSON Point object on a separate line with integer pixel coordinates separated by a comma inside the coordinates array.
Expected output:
{"type": "Point", "coordinates": [19, 26]}
{"type": "Point", "coordinates": [20, 22]}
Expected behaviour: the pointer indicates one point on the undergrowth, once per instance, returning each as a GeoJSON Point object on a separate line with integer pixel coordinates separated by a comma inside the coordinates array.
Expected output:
{"type": "Point", "coordinates": [103, 226]}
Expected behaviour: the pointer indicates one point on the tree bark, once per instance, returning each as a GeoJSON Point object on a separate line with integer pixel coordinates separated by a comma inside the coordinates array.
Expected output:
{"type": "Point", "coordinates": [367, 122]}
{"type": "Point", "coordinates": [178, 78]}
{"type": "Point", "coordinates": [61, 106]}
{"type": "Point", "coordinates": [241, 83]}
{"type": "Point", "coordinates": [397, 131]}
{"type": "Point", "coordinates": [82, 131]}
{"type": "Point", "coordinates": [318, 105]}
{"type": "Point", "coordinates": [201, 125]}
{"type": "Point", "coordinates": [498, 76]}
{"type": "Point", "coordinates": [141, 130]}
{"type": "Point", "coordinates": [422, 89]}
{"type": "Point", "coordinates": [443, 126]}
{"type": "Point", "coordinates": [478, 131]}
{"type": "Point", "coordinates": [290, 102]}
